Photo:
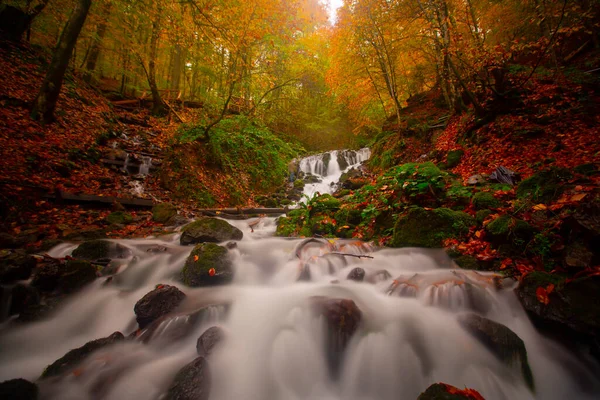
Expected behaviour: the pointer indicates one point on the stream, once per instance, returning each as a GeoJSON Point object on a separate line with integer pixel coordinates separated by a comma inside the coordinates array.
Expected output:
{"type": "Point", "coordinates": [276, 347]}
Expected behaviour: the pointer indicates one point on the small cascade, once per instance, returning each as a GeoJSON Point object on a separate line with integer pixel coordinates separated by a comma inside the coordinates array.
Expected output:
{"type": "Point", "coordinates": [145, 166]}
{"type": "Point", "coordinates": [321, 172]}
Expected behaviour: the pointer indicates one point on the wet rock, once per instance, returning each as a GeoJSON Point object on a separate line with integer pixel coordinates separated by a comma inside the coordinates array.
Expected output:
{"type": "Point", "coordinates": [157, 303]}
{"type": "Point", "coordinates": [578, 255]}
{"type": "Point", "coordinates": [22, 297]}
{"type": "Point", "coordinates": [97, 249]}
{"type": "Point", "coordinates": [209, 340]}
{"type": "Point", "coordinates": [428, 228]}
{"type": "Point", "coordinates": [443, 391]}
{"type": "Point", "coordinates": [192, 382]}
{"type": "Point", "coordinates": [65, 277]}
{"type": "Point", "coordinates": [357, 274]}
{"type": "Point", "coordinates": [16, 266]}
{"type": "Point", "coordinates": [207, 265]}
{"type": "Point", "coordinates": [162, 212]}
{"type": "Point", "coordinates": [18, 389]}
{"type": "Point", "coordinates": [177, 220]}
{"type": "Point", "coordinates": [343, 318]}
{"type": "Point", "coordinates": [209, 230]}
{"type": "Point", "coordinates": [501, 341]}
{"type": "Point", "coordinates": [506, 229]}
{"type": "Point", "coordinates": [70, 360]}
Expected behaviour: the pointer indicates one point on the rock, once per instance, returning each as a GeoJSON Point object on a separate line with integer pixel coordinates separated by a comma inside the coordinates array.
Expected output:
{"type": "Point", "coordinates": [209, 340]}
{"type": "Point", "coordinates": [477, 179]}
{"type": "Point", "coordinates": [586, 218]}
{"type": "Point", "coordinates": [162, 212]}
{"type": "Point", "coordinates": [501, 341]}
{"type": "Point", "coordinates": [117, 154]}
{"type": "Point", "coordinates": [100, 248]}
{"type": "Point", "coordinates": [299, 184]}
{"type": "Point", "coordinates": [66, 277]}
{"type": "Point", "coordinates": [357, 274]}
{"type": "Point", "coordinates": [485, 200]}
{"type": "Point", "coordinates": [577, 255]}
{"type": "Point", "coordinates": [177, 220]}
{"type": "Point", "coordinates": [506, 229]}
{"type": "Point", "coordinates": [209, 229]}
{"type": "Point", "coordinates": [573, 307]}
{"type": "Point", "coordinates": [18, 389]}
{"type": "Point", "coordinates": [119, 218]}
{"type": "Point", "coordinates": [8, 241]}
{"type": "Point", "coordinates": [192, 382]}
{"type": "Point", "coordinates": [545, 186]}
{"type": "Point", "coordinates": [504, 175]}
{"type": "Point", "coordinates": [70, 360]}
{"type": "Point", "coordinates": [453, 158]}
{"type": "Point", "coordinates": [157, 303]}
{"type": "Point", "coordinates": [428, 228]}
{"type": "Point", "coordinates": [23, 296]}
{"type": "Point", "coordinates": [482, 215]}
{"type": "Point", "coordinates": [341, 159]}
{"type": "Point", "coordinates": [443, 391]}
{"type": "Point", "coordinates": [343, 318]}
{"type": "Point", "coordinates": [207, 265]}
{"type": "Point", "coordinates": [16, 266]}
{"type": "Point", "coordinates": [325, 202]}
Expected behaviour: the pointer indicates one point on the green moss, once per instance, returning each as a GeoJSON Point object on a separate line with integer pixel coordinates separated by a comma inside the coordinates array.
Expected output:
{"type": "Point", "coordinates": [93, 250]}
{"type": "Point", "coordinates": [481, 215]}
{"type": "Point", "coordinates": [485, 200]}
{"type": "Point", "coordinates": [162, 212]}
{"type": "Point", "coordinates": [196, 271]}
{"type": "Point", "coordinates": [543, 279]}
{"type": "Point", "coordinates": [586, 169]}
{"type": "Point", "coordinates": [325, 202]}
{"type": "Point", "coordinates": [119, 218]}
{"type": "Point", "coordinates": [286, 226]}
{"type": "Point", "coordinates": [467, 262]}
{"type": "Point", "coordinates": [428, 228]}
{"type": "Point", "coordinates": [453, 158]}
{"type": "Point", "coordinates": [545, 186]}
{"type": "Point", "coordinates": [347, 216]}
{"type": "Point", "coordinates": [505, 225]}
{"type": "Point", "coordinates": [298, 184]}
{"type": "Point", "coordinates": [209, 229]}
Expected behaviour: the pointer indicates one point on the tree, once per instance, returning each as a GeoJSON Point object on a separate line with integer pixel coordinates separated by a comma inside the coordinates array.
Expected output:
{"type": "Point", "coordinates": [45, 102]}
{"type": "Point", "coordinates": [94, 50]}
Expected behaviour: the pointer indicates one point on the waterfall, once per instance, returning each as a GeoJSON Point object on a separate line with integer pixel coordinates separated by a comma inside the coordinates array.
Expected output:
{"type": "Point", "coordinates": [145, 166]}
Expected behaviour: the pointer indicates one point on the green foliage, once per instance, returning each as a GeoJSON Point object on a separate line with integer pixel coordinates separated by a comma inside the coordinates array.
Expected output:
{"type": "Point", "coordinates": [544, 186]}
{"type": "Point", "coordinates": [485, 200]}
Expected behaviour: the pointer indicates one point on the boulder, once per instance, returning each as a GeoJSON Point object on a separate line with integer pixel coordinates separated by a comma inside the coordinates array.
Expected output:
{"type": "Point", "coordinates": [162, 212]}
{"type": "Point", "coordinates": [207, 265]}
{"type": "Point", "coordinates": [545, 186]}
{"type": "Point", "coordinates": [357, 274]}
{"type": "Point", "coordinates": [100, 248]}
{"type": "Point", "coordinates": [485, 200]}
{"type": "Point", "coordinates": [506, 228]}
{"type": "Point", "coordinates": [18, 389]}
{"type": "Point", "coordinates": [16, 266]}
{"type": "Point", "coordinates": [66, 277]}
{"type": "Point", "coordinates": [209, 340]}
{"type": "Point", "coordinates": [22, 297]}
{"type": "Point", "coordinates": [192, 382]}
{"type": "Point", "coordinates": [501, 341]}
{"type": "Point", "coordinates": [209, 229]}
{"type": "Point", "coordinates": [429, 228]}
{"type": "Point", "coordinates": [342, 318]}
{"type": "Point", "coordinates": [119, 218]}
{"type": "Point", "coordinates": [443, 391]}
{"type": "Point", "coordinates": [157, 303]}
{"type": "Point", "coordinates": [454, 157]}
{"type": "Point", "coordinates": [70, 360]}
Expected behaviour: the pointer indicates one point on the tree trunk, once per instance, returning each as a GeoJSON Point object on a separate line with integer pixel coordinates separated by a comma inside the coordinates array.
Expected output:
{"type": "Point", "coordinates": [176, 67]}
{"type": "Point", "coordinates": [92, 59]}
{"type": "Point", "coordinates": [45, 103]}
{"type": "Point", "coordinates": [158, 108]}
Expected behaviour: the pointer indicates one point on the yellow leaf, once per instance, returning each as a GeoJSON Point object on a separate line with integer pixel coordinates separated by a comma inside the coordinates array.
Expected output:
{"type": "Point", "coordinates": [578, 196]}
{"type": "Point", "coordinates": [540, 207]}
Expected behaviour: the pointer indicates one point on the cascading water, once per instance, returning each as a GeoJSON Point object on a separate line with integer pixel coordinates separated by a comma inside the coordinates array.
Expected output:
{"type": "Point", "coordinates": [408, 333]}
{"type": "Point", "coordinates": [324, 170]}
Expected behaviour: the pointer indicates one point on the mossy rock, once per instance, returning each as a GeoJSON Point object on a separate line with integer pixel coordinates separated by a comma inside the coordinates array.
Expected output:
{"type": "Point", "coordinates": [299, 184]}
{"type": "Point", "coordinates": [325, 202]}
{"type": "Point", "coordinates": [443, 391]}
{"type": "Point", "coordinates": [586, 169]}
{"type": "Point", "coordinates": [163, 212]}
{"type": "Point", "coordinates": [347, 216]}
{"type": "Point", "coordinates": [481, 215]}
{"type": "Point", "coordinates": [18, 389]}
{"type": "Point", "coordinates": [506, 345]}
{"type": "Point", "coordinates": [69, 361]}
{"type": "Point", "coordinates": [545, 186]}
{"type": "Point", "coordinates": [209, 229]}
{"type": "Point", "coordinates": [428, 228]}
{"type": "Point", "coordinates": [16, 266]}
{"type": "Point", "coordinates": [506, 228]}
{"type": "Point", "coordinates": [453, 158]}
{"type": "Point", "coordinates": [119, 218]}
{"type": "Point", "coordinates": [485, 200]}
{"type": "Point", "coordinates": [68, 277]}
{"type": "Point", "coordinates": [207, 265]}
{"type": "Point", "coordinates": [97, 249]}
{"type": "Point", "coordinates": [286, 226]}
{"type": "Point", "coordinates": [467, 262]}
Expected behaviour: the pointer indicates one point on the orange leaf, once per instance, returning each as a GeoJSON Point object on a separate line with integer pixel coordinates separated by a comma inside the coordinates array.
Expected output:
{"type": "Point", "coordinates": [212, 272]}
{"type": "Point", "coordinates": [540, 207]}
{"type": "Point", "coordinates": [542, 295]}
{"type": "Point", "coordinates": [550, 288]}
{"type": "Point", "coordinates": [578, 197]}
{"type": "Point", "coordinates": [196, 257]}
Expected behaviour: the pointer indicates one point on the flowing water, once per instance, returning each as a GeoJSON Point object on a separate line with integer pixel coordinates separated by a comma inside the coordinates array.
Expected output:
{"type": "Point", "coordinates": [275, 348]}
{"type": "Point", "coordinates": [326, 168]}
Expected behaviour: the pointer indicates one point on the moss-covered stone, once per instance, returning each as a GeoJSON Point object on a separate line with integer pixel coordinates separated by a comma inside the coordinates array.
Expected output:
{"type": "Point", "coordinates": [485, 200]}
{"type": "Point", "coordinates": [207, 265]}
{"type": "Point", "coordinates": [481, 215]}
{"type": "Point", "coordinates": [428, 228]}
{"type": "Point", "coordinates": [68, 277]}
{"type": "Point", "coordinates": [544, 186]}
{"type": "Point", "coordinates": [505, 228]}
{"type": "Point", "coordinates": [97, 249]}
{"type": "Point", "coordinates": [286, 226]}
{"type": "Point", "coordinates": [586, 169]}
{"type": "Point", "coordinates": [347, 216]}
{"type": "Point", "coordinates": [299, 184]}
{"type": "Point", "coordinates": [162, 212]}
{"type": "Point", "coordinates": [325, 202]}
{"type": "Point", "coordinates": [208, 229]}
{"type": "Point", "coordinates": [453, 158]}
{"type": "Point", "coordinates": [443, 391]}
{"type": "Point", "coordinates": [16, 266]}
{"type": "Point", "coordinates": [119, 218]}
{"type": "Point", "coordinates": [467, 262]}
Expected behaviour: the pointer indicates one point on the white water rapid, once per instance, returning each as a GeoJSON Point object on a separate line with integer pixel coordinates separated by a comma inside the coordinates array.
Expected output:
{"type": "Point", "coordinates": [276, 348]}
{"type": "Point", "coordinates": [325, 167]}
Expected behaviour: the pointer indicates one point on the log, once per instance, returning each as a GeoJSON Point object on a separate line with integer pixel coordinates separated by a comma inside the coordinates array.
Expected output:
{"type": "Point", "coordinates": [237, 212]}
{"type": "Point", "coordinates": [90, 199]}
{"type": "Point", "coordinates": [173, 111]}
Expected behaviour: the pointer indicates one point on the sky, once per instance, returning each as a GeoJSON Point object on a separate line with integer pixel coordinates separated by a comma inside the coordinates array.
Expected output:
{"type": "Point", "coordinates": [333, 6]}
